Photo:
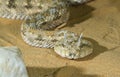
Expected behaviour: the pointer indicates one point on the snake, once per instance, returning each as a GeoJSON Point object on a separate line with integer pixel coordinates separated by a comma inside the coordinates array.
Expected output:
{"type": "Point", "coordinates": [42, 16]}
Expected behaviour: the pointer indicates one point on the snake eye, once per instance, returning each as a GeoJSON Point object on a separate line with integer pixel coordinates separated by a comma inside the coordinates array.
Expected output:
{"type": "Point", "coordinates": [72, 55]}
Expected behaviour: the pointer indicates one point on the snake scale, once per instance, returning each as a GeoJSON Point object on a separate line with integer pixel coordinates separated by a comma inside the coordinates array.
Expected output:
{"type": "Point", "coordinates": [40, 17]}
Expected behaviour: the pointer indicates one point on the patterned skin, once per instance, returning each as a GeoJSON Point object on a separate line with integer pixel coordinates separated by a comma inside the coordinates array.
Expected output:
{"type": "Point", "coordinates": [72, 46]}
{"type": "Point", "coordinates": [40, 16]}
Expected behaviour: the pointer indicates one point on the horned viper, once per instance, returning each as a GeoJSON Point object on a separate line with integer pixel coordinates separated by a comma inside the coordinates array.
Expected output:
{"type": "Point", "coordinates": [41, 16]}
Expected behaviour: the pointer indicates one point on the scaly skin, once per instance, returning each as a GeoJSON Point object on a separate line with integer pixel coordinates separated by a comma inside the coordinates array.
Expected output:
{"type": "Point", "coordinates": [70, 46]}
{"type": "Point", "coordinates": [40, 16]}
{"type": "Point", "coordinates": [78, 1]}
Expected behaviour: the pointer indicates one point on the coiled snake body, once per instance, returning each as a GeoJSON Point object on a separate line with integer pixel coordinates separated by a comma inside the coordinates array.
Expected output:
{"type": "Point", "coordinates": [44, 15]}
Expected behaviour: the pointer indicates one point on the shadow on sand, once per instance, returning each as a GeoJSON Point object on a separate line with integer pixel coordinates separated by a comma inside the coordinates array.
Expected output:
{"type": "Point", "coordinates": [78, 14]}
{"type": "Point", "coordinates": [97, 50]}
{"type": "Point", "coordinates": [67, 71]}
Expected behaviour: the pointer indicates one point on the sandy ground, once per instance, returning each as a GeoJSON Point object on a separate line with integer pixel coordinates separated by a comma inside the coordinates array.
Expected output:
{"type": "Point", "coordinates": [99, 20]}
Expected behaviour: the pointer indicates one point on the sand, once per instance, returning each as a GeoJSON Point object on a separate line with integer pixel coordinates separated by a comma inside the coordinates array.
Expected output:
{"type": "Point", "coordinates": [99, 22]}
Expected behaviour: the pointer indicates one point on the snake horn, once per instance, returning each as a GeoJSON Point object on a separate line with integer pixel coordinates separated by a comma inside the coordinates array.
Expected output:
{"type": "Point", "coordinates": [65, 38]}
{"type": "Point", "coordinates": [79, 40]}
